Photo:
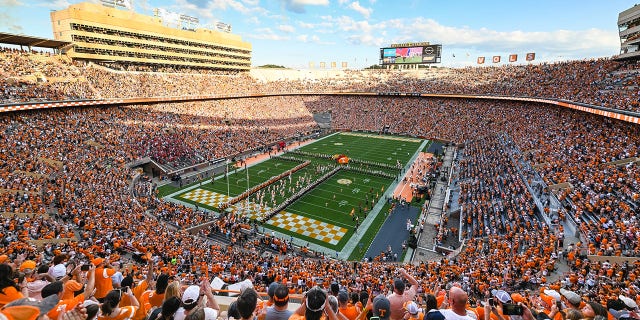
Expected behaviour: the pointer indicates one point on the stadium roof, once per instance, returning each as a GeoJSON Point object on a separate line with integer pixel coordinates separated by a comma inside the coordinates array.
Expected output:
{"type": "Point", "coordinates": [22, 40]}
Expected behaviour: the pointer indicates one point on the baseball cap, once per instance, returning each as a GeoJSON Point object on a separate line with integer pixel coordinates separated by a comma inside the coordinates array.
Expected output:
{"type": "Point", "coordinates": [501, 295]}
{"type": "Point", "coordinates": [27, 264]}
{"type": "Point", "coordinates": [412, 308]}
{"type": "Point", "coordinates": [552, 293]}
{"type": "Point", "coordinates": [516, 297]}
{"type": "Point", "coordinates": [97, 261]}
{"type": "Point", "coordinates": [281, 295]}
{"type": "Point", "coordinates": [573, 297]}
{"type": "Point", "coordinates": [628, 302]}
{"type": "Point", "coordinates": [399, 284]}
{"type": "Point", "coordinates": [191, 294]}
{"type": "Point", "coordinates": [58, 271]}
{"type": "Point", "coordinates": [316, 298]}
{"type": "Point", "coordinates": [272, 289]}
{"type": "Point", "coordinates": [335, 287]}
{"type": "Point", "coordinates": [343, 296]}
{"type": "Point", "coordinates": [381, 307]}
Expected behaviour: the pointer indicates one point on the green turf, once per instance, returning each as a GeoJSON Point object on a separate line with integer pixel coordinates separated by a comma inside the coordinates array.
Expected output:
{"type": "Point", "coordinates": [378, 148]}
{"type": "Point", "coordinates": [330, 201]}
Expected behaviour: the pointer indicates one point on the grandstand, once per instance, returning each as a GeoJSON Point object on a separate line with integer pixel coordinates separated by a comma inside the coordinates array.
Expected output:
{"type": "Point", "coordinates": [533, 183]}
{"type": "Point", "coordinates": [113, 36]}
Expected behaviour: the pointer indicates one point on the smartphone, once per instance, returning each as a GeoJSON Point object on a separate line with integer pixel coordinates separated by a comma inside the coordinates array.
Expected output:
{"type": "Point", "coordinates": [491, 302]}
{"type": "Point", "coordinates": [125, 289]}
{"type": "Point", "coordinates": [85, 267]}
{"type": "Point", "coordinates": [510, 309]}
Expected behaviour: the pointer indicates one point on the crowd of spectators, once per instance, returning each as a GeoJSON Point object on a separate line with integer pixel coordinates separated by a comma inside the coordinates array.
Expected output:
{"type": "Point", "coordinates": [601, 82]}
{"type": "Point", "coordinates": [70, 164]}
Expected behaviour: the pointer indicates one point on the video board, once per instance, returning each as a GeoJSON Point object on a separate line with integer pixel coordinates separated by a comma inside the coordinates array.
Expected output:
{"type": "Point", "coordinates": [411, 54]}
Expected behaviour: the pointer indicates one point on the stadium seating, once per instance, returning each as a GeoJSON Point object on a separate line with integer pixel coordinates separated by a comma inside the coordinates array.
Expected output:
{"type": "Point", "coordinates": [89, 196]}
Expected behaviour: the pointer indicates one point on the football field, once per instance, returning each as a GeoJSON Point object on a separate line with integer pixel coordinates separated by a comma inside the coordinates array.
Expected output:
{"type": "Point", "coordinates": [306, 194]}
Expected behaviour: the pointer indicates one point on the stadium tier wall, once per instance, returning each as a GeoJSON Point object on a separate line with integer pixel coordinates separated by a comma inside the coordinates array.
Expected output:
{"type": "Point", "coordinates": [104, 34]}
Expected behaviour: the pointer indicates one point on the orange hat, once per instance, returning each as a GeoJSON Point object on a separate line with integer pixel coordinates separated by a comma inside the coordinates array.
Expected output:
{"type": "Point", "coordinates": [28, 264]}
{"type": "Point", "coordinates": [4, 258]}
{"type": "Point", "coordinates": [97, 261]}
{"type": "Point", "coordinates": [516, 297]}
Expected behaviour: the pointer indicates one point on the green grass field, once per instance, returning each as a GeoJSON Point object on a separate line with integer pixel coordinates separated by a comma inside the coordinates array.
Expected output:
{"type": "Point", "coordinates": [329, 204]}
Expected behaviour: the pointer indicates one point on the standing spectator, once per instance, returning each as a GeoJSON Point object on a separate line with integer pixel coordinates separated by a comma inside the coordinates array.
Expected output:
{"type": "Point", "coordinates": [399, 296]}
{"type": "Point", "coordinates": [103, 278]}
{"type": "Point", "coordinates": [192, 298]}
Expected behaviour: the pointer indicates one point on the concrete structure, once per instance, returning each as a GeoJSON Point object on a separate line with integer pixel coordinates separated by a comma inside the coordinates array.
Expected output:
{"type": "Point", "coordinates": [629, 27]}
{"type": "Point", "coordinates": [111, 35]}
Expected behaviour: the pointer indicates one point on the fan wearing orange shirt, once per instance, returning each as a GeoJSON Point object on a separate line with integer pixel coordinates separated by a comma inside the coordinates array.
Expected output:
{"type": "Point", "coordinates": [138, 290]}
{"type": "Point", "coordinates": [9, 291]}
{"type": "Point", "coordinates": [103, 278]}
{"type": "Point", "coordinates": [110, 309]}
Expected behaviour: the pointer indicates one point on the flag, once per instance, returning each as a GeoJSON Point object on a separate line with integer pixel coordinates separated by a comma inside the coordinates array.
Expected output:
{"type": "Point", "coordinates": [513, 57]}
{"type": "Point", "coordinates": [496, 59]}
{"type": "Point", "coordinates": [453, 54]}
{"type": "Point", "coordinates": [382, 189]}
{"type": "Point", "coordinates": [480, 60]}
{"type": "Point", "coordinates": [468, 54]}
{"type": "Point", "coordinates": [353, 210]}
{"type": "Point", "coordinates": [531, 56]}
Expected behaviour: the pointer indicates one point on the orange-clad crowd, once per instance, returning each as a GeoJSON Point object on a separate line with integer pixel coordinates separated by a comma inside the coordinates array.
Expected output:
{"type": "Point", "coordinates": [63, 176]}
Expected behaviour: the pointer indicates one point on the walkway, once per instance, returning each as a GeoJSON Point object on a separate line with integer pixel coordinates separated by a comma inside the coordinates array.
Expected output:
{"type": "Point", "coordinates": [425, 251]}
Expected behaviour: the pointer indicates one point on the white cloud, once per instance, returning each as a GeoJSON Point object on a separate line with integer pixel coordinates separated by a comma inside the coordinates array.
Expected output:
{"type": "Point", "coordinates": [298, 6]}
{"type": "Point", "coordinates": [253, 20]}
{"type": "Point", "coordinates": [7, 23]}
{"type": "Point", "coordinates": [574, 44]}
{"type": "Point", "coordinates": [9, 3]}
{"type": "Point", "coordinates": [54, 4]}
{"type": "Point", "coordinates": [266, 34]}
{"type": "Point", "coordinates": [286, 28]}
{"type": "Point", "coordinates": [492, 40]}
{"type": "Point", "coordinates": [305, 25]}
{"type": "Point", "coordinates": [355, 6]}
{"type": "Point", "coordinates": [205, 8]}
{"type": "Point", "coordinates": [302, 38]}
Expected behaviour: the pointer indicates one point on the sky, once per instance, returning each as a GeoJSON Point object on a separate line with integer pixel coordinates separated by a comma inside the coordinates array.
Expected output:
{"type": "Point", "coordinates": [293, 33]}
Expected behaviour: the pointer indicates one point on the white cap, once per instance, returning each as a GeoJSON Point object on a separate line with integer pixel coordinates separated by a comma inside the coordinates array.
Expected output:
{"type": "Point", "coordinates": [191, 294]}
{"type": "Point", "coordinates": [628, 302]}
{"type": "Point", "coordinates": [552, 293]}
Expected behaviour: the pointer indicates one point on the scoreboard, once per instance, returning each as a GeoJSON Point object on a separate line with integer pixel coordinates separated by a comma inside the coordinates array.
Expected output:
{"type": "Point", "coordinates": [410, 54]}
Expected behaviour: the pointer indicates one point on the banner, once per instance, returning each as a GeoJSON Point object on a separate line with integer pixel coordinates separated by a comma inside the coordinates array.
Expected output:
{"type": "Point", "coordinates": [323, 65]}
{"type": "Point", "coordinates": [480, 60]}
{"type": "Point", "coordinates": [513, 57]}
{"type": "Point", "coordinates": [333, 64]}
{"type": "Point", "coordinates": [344, 65]}
{"type": "Point", "coordinates": [531, 56]}
{"type": "Point", "coordinates": [496, 59]}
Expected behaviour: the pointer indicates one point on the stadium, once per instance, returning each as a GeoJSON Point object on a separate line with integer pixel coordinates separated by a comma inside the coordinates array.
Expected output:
{"type": "Point", "coordinates": [159, 153]}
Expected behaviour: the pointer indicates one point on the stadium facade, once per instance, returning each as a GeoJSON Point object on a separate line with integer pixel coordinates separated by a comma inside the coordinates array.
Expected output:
{"type": "Point", "coordinates": [629, 27]}
{"type": "Point", "coordinates": [111, 35]}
